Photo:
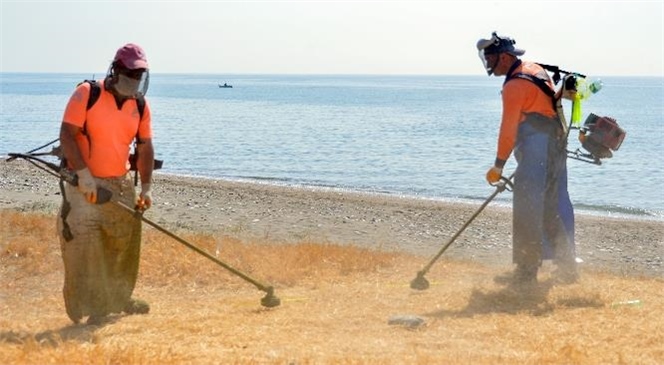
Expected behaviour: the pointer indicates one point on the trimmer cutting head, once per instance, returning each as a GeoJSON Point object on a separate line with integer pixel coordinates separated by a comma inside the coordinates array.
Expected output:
{"type": "Point", "coordinates": [270, 300]}
{"type": "Point", "coordinates": [420, 282]}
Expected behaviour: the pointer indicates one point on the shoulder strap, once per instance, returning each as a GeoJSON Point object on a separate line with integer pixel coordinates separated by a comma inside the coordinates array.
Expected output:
{"type": "Point", "coordinates": [535, 80]}
{"type": "Point", "coordinates": [95, 91]}
{"type": "Point", "coordinates": [140, 103]}
{"type": "Point", "coordinates": [555, 100]}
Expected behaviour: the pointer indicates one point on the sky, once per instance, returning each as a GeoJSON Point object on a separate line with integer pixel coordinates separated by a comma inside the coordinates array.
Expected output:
{"type": "Point", "coordinates": [607, 38]}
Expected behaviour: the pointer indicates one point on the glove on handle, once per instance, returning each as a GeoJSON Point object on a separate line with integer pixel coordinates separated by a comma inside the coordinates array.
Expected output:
{"type": "Point", "coordinates": [493, 175]}
{"type": "Point", "coordinates": [87, 185]}
{"type": "Point", "coordinates": [145, 197]}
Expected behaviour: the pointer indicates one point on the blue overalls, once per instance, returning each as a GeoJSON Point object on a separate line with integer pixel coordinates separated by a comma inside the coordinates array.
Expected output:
{"type": "Point", "coordinates": [543, 216]}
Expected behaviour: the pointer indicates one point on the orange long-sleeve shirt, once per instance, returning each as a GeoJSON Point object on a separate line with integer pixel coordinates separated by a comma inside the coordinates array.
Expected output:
{"type": "Point", "coordinates": [521, 97]}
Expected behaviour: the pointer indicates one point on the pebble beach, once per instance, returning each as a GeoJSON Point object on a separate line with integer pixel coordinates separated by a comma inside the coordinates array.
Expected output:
{"type": "Point", "coordinates": [290, 214]}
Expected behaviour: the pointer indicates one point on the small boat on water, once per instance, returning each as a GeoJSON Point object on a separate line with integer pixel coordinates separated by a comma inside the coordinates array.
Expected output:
{"type": "Point", "coordinates": [225, 86]}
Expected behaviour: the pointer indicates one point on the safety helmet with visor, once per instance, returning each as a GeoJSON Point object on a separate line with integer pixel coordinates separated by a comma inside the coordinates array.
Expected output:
{"type": "Point", "coordinates": [130, 71]}
{"type": "Point", "coordinates": [495, 46]}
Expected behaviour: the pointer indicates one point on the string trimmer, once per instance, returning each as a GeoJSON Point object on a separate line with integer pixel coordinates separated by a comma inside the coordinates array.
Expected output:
{"type": "Point", "coordinates": [105, 196]}
{"type": "Point", "coordinates": [420, 282]}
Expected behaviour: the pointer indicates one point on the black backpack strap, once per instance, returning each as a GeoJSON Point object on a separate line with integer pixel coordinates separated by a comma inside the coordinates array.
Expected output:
{"type": "Point", "coordinates": [140, 103]}
{"type": "Point", "coordinates": [95, 92]}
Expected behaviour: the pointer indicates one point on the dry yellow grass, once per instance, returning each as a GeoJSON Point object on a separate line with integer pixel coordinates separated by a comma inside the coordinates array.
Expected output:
{"type": "Point", "coordinates": [336, 302]}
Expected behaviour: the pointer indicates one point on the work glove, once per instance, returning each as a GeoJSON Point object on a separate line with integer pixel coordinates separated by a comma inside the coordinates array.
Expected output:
{"type": "Point", "coordinates": [493, 175]}
{"type": "Point", "coordinates": [145, 197]}
{"type": "Point", "coordinates": [87, 185]}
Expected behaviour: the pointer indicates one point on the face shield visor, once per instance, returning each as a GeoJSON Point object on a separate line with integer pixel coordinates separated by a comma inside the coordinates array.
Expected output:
{"type": "Point", "coordinates": [490, 49]}
{"type": "Point", "coordinates": [485, 51]}
{"type": "Point", "coordinates": [131, 83]}
{"type": "Point", "coordinates": [489, 61]}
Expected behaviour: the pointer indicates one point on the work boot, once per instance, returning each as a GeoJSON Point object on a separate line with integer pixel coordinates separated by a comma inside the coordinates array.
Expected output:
{"type": "Point", "coordinates": [136, 306]}
{"type": "Point", "coordinates": [525, 274]}
{"type": "Point", "coordinates": [521, 275]}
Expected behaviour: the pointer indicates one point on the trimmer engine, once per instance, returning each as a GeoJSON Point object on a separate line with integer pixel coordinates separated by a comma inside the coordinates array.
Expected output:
{"type": "Point", "coordinates": [601, 135]}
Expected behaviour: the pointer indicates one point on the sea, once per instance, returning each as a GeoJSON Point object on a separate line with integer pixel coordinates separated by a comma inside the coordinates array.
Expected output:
{"type": "Point", "coordinates": [427, 137]}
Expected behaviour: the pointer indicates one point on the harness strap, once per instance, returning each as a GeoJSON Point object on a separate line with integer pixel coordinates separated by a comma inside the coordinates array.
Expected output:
{"type": "Point", "coordinates": [544, 87]}
{"type": "Point", "coordinates": [66, 208]}
{"type": "Point", "coordinates": [95, 92]}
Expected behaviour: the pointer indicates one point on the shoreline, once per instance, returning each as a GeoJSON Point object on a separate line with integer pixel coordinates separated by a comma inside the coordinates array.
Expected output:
{"type": "Point", "coordinates": [641, 214]}
{"type": "Point", "coordinates": [291, 214]}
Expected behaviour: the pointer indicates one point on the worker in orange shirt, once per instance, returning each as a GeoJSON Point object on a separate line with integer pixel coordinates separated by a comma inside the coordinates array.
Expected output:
{"type": "Point", "coordinates": [101, 242]}
{"type": "Point", "coordinates": [543, 215]}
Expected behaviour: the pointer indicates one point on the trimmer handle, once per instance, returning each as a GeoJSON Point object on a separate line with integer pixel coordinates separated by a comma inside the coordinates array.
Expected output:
{"type": "Point", "coordinates": [505, 183]}
{"type": "Point", "coordinates": [103, 195]}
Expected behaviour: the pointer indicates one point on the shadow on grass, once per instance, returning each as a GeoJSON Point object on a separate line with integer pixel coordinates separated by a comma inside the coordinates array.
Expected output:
{"type": "Point", "coordinates": [52, 338]}
{"type": "Point", "coordinates": [516, 299]}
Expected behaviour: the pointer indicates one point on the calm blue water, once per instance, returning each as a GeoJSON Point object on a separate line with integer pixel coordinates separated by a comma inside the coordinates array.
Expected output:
{"type": "Point", "coordinates": [425, 136]}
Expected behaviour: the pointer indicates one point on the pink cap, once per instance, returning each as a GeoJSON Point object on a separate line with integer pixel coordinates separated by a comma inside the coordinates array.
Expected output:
{"type": "Point", "coordinates": [131, 56]}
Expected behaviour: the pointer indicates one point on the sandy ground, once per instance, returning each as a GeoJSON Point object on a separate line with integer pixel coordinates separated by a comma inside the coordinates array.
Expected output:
{"type": "Point", "coordinates": [294, 214]}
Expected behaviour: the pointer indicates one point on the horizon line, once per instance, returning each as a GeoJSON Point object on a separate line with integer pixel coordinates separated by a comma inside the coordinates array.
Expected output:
{"type": "Point", "coordinates": [299, 74]}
